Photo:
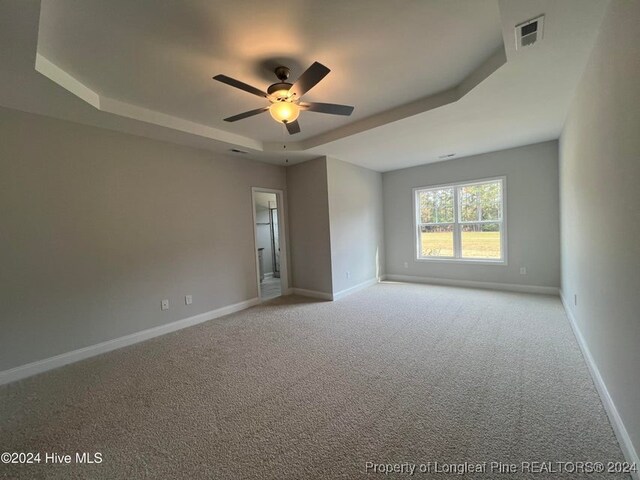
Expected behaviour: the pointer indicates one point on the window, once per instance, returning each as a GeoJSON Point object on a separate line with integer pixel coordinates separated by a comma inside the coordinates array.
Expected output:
{"type": "Point", "coordinates": [461, 222]}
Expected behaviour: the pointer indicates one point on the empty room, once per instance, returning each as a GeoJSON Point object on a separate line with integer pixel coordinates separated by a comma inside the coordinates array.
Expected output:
{"type": "Point", "coordinates": [319, 239]}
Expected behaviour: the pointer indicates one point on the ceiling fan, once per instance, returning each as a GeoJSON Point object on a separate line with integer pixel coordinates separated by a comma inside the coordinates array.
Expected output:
{"type": "Point", "coordinates": [285, 97]}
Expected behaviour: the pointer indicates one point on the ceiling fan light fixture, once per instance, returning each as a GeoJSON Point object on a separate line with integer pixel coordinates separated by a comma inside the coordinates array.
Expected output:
{"type": "Point", "coordinates": [284, 112]}
{"type": "Point", "coordinates": [284, 97]}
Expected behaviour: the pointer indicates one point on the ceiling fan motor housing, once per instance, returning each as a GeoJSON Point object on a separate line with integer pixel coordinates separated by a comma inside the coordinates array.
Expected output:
{"type": "Point", "coordinates": [279, 87]}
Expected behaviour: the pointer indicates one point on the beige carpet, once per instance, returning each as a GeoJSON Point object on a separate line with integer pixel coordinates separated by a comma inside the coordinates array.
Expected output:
{"type": "Point", "coordinates": [302, 389]}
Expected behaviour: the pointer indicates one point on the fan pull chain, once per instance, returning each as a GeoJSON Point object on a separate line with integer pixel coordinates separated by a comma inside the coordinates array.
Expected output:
{"type": "Point", "coordinates": [284, 145]}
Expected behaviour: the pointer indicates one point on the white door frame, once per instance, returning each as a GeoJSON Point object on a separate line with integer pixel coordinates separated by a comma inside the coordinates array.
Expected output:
{"type": "Point", "coordinates": [282, 238]}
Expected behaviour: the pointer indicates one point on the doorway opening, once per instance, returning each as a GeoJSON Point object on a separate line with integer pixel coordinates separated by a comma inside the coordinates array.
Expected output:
{"type": "Point", "coordinates": [269, 243]}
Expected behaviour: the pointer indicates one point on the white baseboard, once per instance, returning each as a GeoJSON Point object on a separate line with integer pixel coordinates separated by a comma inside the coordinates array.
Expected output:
{"type": "Point", "coordinates": [510, 287]}
{"type": "Point", "coordinates": [355, 288]}
{"type": "Point", "coordinates": [40, 366]}
{"type": "Point", "coordinates": [312, 293]}
{"type": "Point", "coordinates": [619, 429]}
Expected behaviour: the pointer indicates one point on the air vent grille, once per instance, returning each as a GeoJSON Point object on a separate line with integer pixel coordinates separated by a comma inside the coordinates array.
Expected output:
{"type": "Point", "coordinates": [529, 32]}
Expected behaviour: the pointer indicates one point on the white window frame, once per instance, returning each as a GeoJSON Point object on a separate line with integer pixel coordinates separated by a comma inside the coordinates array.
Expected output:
{"type": "Point", "coordinates": [457, 250]}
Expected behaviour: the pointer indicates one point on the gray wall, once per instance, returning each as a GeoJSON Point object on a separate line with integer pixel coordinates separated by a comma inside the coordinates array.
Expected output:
{"type": "Point", "coordinates": [96, 227]}
{"type": "Point", "coordinates": [600, 174]}
{"type": "Point", "coordinates": [532, 215]}
{"type": "Point", "coordinates": [355, 214]}
{"type": "Point", "coordinates": [309, 239]}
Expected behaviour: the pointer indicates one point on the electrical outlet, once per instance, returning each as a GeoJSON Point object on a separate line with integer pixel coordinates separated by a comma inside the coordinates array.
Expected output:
{"type": "Point", "coordinates": [165, 304]}
{"type": "Point", "coordinates": [406, 264]}
{"type": "Point", "coordinates": [348, 274]}
{"type": "Point", "coordinates": [188, 299]}
{"type": "Point", "coordinates": [523, 270]}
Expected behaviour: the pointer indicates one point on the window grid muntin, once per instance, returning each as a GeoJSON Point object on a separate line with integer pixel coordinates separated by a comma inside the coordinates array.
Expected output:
{"type": "Point", "coordinates": [457, 233]}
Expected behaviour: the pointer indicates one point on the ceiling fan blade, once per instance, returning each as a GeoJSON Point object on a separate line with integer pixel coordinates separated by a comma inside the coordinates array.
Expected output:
{"type": "Point", "coordinates": [241, 85]}
{"type": "Point", "coordinates": [250, 113]}
{"type": "Point", "coordinates": [293, 127]}
{"type": "Point", "coordinates": [309, 79]}
{"type": "Point", "coordinates": [332, 108]}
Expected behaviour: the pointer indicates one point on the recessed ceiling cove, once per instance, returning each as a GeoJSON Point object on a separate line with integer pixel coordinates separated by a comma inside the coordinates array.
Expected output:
{"type": "Point", "coordinates": [426, 77]}
{"type": "Point", "coordinates": [154, 61]}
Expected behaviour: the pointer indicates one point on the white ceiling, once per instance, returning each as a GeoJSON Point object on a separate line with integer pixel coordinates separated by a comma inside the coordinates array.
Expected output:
{"type": "Point", "coordinates": [427, 78]}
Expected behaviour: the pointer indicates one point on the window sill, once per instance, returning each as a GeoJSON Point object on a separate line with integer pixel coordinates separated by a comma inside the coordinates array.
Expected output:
{"type": "Point", "coordinates": [501, 263]}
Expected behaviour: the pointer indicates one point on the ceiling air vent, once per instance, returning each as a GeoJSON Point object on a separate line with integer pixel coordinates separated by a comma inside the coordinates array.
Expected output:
{"type": "Point", "coordinates": [529, 32]}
